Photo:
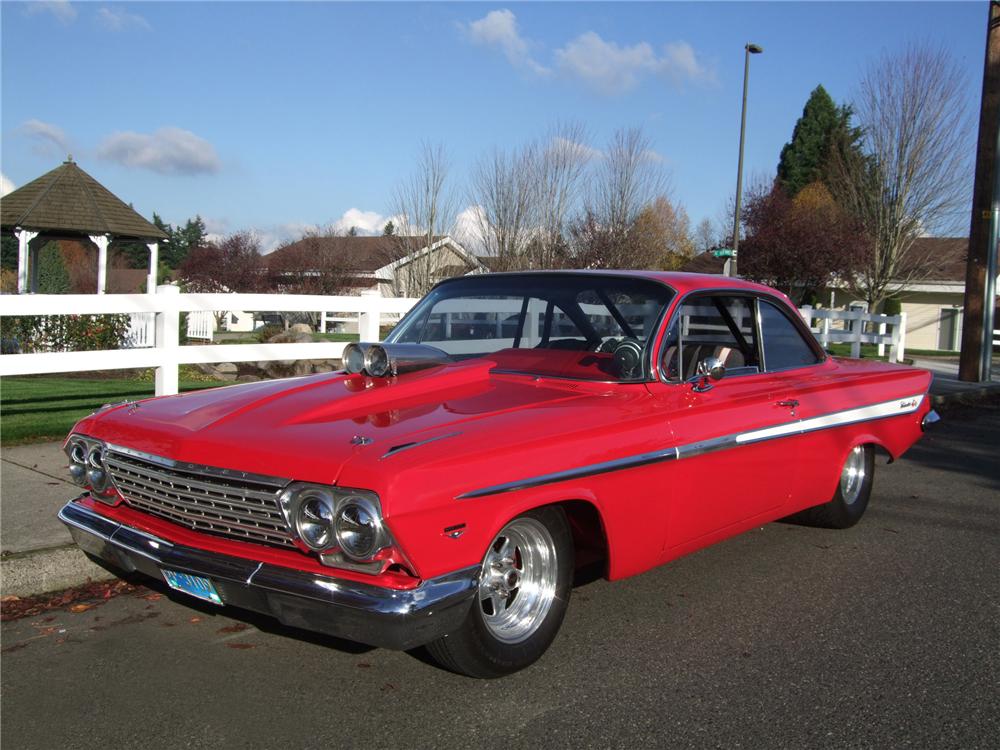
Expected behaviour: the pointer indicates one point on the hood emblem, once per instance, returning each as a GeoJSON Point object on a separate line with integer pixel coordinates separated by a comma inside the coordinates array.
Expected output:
{"type": "Point", "coordinates": [361, 440]}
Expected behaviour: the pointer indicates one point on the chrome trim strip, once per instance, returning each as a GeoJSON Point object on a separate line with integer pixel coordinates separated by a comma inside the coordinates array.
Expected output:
{"type": "Point", "coordinates": [883, 410]}
{"type": "Point", "coordinates": [407, 446]}
{"type": "Point", "coordinates": [629, 462]}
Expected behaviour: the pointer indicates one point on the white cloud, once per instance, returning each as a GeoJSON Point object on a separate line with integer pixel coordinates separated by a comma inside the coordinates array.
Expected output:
{"type": "Point", "coordinates": [498, 28]}
{"type": "Point", "coordinates": [365, 222]}
{"type": "Point", "coordinates": [612, 68]}
{"type": "Point", "coordinates": [468, 229]}
{"type": "Point", "coordinates": [49, 140]}
{"type": "Point", "coordinates": [580, 150]}
{"type": "Point", "coordinates": [120, 19]}
{"type": "Point", "coordinates": [6, 185]}
{"type": "Point", "coordinates": [64, 12]}
{"type": "Point", "coordinates": [167, 151]}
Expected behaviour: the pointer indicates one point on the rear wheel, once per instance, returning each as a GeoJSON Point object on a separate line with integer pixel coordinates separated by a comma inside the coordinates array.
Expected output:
{"type": "Point", "coordinates": [524, 588]}
{"type": "Point", "coordinates": [851, 496]}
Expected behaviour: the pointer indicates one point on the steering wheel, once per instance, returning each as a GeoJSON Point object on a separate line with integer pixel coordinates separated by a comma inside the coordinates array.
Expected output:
{"type": "Point", "coordinates": [607, 346]}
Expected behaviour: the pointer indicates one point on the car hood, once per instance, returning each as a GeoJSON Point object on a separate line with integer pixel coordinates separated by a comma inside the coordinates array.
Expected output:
{"type": "Point", "coordinates": [308, 428]}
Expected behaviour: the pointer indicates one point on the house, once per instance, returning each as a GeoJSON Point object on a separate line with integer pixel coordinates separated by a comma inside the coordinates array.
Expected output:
{"type": "Point", "coordinates": [933, 301]}
{"type": "Point", "coordinates": [390, 266]}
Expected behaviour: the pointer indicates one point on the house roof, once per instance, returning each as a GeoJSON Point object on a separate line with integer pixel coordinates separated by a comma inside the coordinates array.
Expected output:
{"type": "Point", "coordinates": [67, 199]}
{"type": "Point", "coordinates": [704, 263]}
{"type": "Point", "coordinates": [358, 254]}
{"type": "Point", "coordinates": [941, 258]}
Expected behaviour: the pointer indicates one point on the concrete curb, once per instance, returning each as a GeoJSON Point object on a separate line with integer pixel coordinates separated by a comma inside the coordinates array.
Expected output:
{"type": "Point", "coordinates": [44, 570]}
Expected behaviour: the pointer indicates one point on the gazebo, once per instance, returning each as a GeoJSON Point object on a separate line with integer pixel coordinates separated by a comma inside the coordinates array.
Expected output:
{"type": "Point", "coordinates": [67, 203]}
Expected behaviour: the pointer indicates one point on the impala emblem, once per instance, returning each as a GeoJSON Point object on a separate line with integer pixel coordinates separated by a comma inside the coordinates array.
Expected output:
{"type": "Point", "coordinates": [907, 404]}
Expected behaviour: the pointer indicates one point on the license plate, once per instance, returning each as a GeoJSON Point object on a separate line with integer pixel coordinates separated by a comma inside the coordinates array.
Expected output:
{"type": "Point", "coordinates": [197, 586]}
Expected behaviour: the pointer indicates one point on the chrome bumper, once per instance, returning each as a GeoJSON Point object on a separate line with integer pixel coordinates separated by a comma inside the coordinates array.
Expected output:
{"type": "Point", "coordinates": [930, 419]}
{"type": "Point", "coordinates": [346, 609]}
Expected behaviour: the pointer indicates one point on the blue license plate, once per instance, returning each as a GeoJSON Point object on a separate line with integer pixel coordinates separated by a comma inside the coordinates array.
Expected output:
{"type": "Point", "coordinates": [193, 585]}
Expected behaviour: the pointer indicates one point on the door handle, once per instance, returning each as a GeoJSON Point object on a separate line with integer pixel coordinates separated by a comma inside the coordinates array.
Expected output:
{"type": "Point", "coordinates": [791, 403]}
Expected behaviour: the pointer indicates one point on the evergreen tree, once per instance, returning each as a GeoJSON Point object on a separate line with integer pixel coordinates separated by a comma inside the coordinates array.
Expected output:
{"type": "Point", "coordinates": [822, 124]}
{"type": "Point", "coordinates": [52, 275]}
{"type": "Point", "coordinates": [8, 253]}
{"type": "Point", "coordinates": [389, 229]}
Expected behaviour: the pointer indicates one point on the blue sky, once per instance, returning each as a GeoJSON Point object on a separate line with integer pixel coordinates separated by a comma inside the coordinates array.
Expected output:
{"type": "Point", "coordinates": [277, 115]}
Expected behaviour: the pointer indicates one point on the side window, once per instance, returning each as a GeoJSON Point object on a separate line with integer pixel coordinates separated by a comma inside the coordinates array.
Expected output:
{"type": "Point", "coordinates": [784, 346]}
{"type": "Point", "coordinates": [712, 326]}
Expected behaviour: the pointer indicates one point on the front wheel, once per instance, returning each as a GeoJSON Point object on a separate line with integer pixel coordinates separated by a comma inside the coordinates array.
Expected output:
{"type": "Point", "coordinates": [850, 499]}
{"type": "Point", "coordinates": [524, 588]}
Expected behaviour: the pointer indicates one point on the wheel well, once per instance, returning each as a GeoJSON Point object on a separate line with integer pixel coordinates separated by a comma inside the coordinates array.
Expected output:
{"type": "Point", "coordinates": [589, 539]}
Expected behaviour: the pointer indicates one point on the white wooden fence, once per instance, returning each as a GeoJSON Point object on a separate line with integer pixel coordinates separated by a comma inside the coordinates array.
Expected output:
{"type": "Point", "coordinates": [857, 327]}
{"type": "Point", "coordinates": [166, 353]}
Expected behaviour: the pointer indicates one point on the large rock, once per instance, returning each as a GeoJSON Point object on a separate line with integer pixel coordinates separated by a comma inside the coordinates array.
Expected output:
{"type": "Point", "coordinates": [226, 371]}
{"type": "Point", "coordinates": [291, 336]}
{"type": "Point", "coordinates": [302, 328]}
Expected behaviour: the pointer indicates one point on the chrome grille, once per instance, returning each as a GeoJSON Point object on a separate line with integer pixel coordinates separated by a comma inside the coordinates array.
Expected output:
{"type": "Point", "coordinates": [228, 503]}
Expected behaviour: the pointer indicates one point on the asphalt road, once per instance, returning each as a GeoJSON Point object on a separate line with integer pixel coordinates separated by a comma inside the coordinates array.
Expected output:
{"type": "Point", "coordinates": [885, 635]}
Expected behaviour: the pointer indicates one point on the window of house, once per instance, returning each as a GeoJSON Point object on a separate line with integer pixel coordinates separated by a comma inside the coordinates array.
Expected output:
{"type": "Point", "coordinates": [784, 345]}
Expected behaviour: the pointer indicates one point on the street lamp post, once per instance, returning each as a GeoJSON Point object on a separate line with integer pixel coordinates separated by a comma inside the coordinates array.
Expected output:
{"type": "Point", "coordinates": [751, 49]}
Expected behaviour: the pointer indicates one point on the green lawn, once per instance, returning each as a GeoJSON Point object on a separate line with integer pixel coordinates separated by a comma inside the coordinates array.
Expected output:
{"type": "Point", "coordinates": [36, 409]}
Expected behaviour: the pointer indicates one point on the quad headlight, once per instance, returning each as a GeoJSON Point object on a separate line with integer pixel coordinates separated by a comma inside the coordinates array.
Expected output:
{"type": "Point", "coordinates": [87, 466]}
{"type": "Point", "coordinates": [330, 519]}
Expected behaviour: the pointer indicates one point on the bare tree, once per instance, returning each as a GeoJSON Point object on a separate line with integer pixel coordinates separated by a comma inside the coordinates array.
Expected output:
{"type": "Point", "coordinates": [704, 236]}
{"type": "Point", "coordinates": [424, 208]}
{"type": "Point", "coordinates": [504, 192]}
{"type": "Point", "coordinates": [913, 176]}
{"type": "Point", "coordinates": [562, 161]}
{"type": "Point", "coordinates": [628, 179]}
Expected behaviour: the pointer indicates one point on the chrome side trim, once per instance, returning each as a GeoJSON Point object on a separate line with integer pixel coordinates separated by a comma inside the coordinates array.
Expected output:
{"type": "Point", "coordinates": [883, 410]}
{"type": "Point", "coordinates": [629, 462]}
{"type": "Point", "coordinates": [407, 446]}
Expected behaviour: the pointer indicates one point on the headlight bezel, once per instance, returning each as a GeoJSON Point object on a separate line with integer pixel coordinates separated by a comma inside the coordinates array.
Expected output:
{"type": "Point", "coordinates": [293, 498]}
{"type": "Point", "coordinates": [90, 473]}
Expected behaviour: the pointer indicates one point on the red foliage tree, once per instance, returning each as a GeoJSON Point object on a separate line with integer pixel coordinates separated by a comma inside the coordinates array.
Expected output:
{"type": "Point", "coordinates": [232, 265]}
{"type": "Point", "coordinates": [800, 245]}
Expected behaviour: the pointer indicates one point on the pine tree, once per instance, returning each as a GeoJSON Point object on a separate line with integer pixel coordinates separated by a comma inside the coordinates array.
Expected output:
{"type": "Point", "coordinates": [804, 159]}
{"type": "Point", "coordinates": [53, 278]}
{"type": "Point", "coordinates": [389, 229]}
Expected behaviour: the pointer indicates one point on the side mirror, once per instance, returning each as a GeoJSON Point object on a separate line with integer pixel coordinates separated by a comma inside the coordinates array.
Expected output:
{"type": "Point", "coordinates": [710, 368]}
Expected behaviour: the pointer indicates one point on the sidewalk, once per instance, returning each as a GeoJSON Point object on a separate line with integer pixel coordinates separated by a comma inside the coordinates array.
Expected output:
{"type": "Point", "coordinates": [38, 554]}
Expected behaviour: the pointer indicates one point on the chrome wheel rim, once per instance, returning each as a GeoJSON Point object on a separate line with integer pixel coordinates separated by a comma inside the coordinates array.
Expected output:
{"type": "Point", "coordinates": [517, 584]}
{"type": "Point", "coordinates": [852, 478]}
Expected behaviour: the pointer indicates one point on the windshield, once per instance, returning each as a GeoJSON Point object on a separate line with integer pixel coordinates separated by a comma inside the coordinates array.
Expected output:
{"type": "Point", "coordinates": [584, 326]}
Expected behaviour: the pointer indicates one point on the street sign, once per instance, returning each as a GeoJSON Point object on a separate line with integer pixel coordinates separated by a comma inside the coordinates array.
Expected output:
{"type": "Point", "coordinates": [723, 252]}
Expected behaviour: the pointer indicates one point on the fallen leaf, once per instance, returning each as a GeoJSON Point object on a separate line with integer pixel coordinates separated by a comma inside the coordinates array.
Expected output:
{"type": "Point", "coordinates": [240, 646]}
{"type": "Point", "coordinates": [78, 608]}
{"type": "Point", "coordinates": [364, 665]}
{"type": "Point", "coordinates": [234, 628]}
{"type": "Point", "coordinates": [387, 687]}
{"type": "Point", "coordinates": [6, 599]}
{"type": "Point", "coordinates": [194, 620]}
{"type": "Point", "coordinates": [154, 597]}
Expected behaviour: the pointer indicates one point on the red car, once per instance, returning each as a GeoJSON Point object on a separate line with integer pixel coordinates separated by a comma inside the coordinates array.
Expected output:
{"type": "Point", "coordinates": [512, 428]}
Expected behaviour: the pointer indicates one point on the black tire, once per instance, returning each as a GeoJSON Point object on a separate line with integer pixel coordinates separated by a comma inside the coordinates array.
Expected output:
{"type": "Point", "coordinates": [849, 500]}
{"type": "Point", "coordinates": [483, 647]}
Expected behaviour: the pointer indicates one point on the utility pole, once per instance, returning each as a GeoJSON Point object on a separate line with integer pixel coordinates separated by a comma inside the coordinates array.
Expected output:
{"type": "Point", "coordinates": [977, 320]}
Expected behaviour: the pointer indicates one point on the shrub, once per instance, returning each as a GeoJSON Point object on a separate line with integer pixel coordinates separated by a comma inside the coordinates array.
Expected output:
{"type": "Point", "coordinates": [265, 333]}
{"type": "Point", "coordinates": [63, 333]}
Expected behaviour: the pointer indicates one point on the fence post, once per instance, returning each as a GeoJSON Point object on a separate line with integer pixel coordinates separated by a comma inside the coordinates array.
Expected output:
{"type": "Point", "coordinates": [368, 320]}
{"type": "Point", "coordinates": [901, 344]}
{"type": "Point", "coordinates": [881, 346]}
{"type": "Point", "coordinates": [167, 341]}
{"type": "Point", "coordinates": [857, 327]}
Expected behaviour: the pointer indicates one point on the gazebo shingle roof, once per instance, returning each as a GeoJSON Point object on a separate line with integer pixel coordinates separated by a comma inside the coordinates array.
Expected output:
{"type": "Point", "coordinates": [67, 199]}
